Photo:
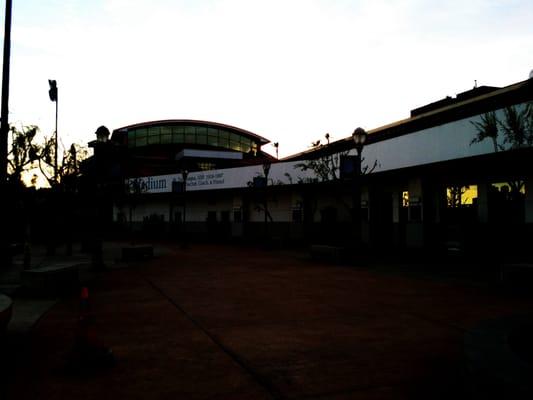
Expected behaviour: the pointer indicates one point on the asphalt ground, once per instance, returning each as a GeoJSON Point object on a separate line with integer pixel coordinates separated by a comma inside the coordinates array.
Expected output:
{"type": "Point", "coordinates": [225, 322]}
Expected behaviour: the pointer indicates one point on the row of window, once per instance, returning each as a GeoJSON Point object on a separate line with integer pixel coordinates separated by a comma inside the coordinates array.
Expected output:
{"type": "Point", "coordinates": [201, 135]}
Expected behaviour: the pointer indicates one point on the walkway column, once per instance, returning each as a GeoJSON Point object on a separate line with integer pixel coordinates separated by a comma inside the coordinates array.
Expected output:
{"type": "Point", "coordinates": [529, 201]}
{"type": "Point", "coordinates": [483, 202]}
{"type": "Point", "coordinates": [396, 208]}
{"type": "Point", "coordinates": [237, 225]}
{"type": "Point", "coordinates": [364, 214]}
{"type": "Point", "coordinates": [415, 228]}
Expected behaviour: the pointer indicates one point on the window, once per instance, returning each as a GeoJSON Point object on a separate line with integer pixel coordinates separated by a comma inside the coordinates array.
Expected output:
{"type": "Point", "coordinates": [510, 187]}
{"type": "Point", "coordinates": [507, 201]}
{"type": "Point", "coordinates": [154, 131]}
{"type": "Point", "coordinates": [223, 134]}
{"type": "Point", "coordinates": [206, 166]}
{"type": "Point", "coordinates": [154, 139]}
{"type": "Point", "coordinates": [212, 136]}
{"type": "Point", "coordinates": [405, 199]}
{"type": "Point", "coordinates": [461, 196]}
{"type": "Point", "coordinates": [246, 145]}
{"type": "Point", "coordinates": [223, 138]}
{"type": "Point", "coordinates": [131, 139]}
{"type": "Point", "coordinates": [212, 141]}
{"type": "Point", "coordinates": [141, 132]}
{"type": "Point", "coordinates": [190, 137]}
{"type": "Point", "coordinates": [201, 138]}
{"type": "Point", "coordinates": [237, 215]}
{"type": "Point", "coordinates": [178, 137]}
{"type": "Point", "coordinates": [235, 145]}
{"type": "Point", "coordinates": [191, 134]}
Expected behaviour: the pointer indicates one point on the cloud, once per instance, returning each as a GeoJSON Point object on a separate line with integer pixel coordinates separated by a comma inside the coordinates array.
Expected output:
{"type": "Point", "coordinates": [290, 70]}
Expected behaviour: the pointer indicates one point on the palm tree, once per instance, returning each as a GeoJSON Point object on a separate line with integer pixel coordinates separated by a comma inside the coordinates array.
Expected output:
{"type": "Point", "coordinates": [487, 128]}
{"type": "Point", "coordinates": [517, 126]}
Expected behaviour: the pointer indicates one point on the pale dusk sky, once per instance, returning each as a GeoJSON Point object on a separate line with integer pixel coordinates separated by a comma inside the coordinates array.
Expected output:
{"type": "Point", "coordinates": [289, 70]}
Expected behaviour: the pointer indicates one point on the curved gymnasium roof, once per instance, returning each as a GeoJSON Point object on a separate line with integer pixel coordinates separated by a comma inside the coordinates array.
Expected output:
{"type": "Point", "coordinates": [191, 122]}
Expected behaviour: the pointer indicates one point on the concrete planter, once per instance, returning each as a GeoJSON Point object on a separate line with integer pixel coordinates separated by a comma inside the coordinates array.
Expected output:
{"type": "Point", "coordinates": [51, 280]}
{"type": "Point", "coordinates": [6, 311]}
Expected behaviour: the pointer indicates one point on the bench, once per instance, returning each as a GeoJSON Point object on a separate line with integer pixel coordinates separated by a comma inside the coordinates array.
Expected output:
{"type": "Point", "coordinates": [327, 253]}
{"type": "Point", "coordinates": [6, 310]}
{"type": "Point", "coordinates": [16, 248]}
{"type": "Point", "coordinates": [137, 252]}
{"type": "Point", "coordinates": [51, 280]}
{"type": "Point", "coordinates": [520, 273]}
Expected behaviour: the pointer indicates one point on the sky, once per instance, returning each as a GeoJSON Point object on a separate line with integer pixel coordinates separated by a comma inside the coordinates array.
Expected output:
{"type": "Point", "coordinates": [288, 70]}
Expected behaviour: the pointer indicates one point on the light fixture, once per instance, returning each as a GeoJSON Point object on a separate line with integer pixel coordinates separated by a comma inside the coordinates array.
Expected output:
{"type": "Point", "coordinates": [359, 136]}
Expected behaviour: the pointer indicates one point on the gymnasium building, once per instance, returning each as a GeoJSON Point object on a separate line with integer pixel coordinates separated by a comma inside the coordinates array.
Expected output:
{"type": "Point", "coordinates": [438, 179]}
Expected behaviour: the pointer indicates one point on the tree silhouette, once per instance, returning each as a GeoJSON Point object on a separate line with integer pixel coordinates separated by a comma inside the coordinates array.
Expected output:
{"type": "Point", "coordinates": [487, 129]}
{"type": "Point", "coordinates": [24, 152]}
{"type": "Point", "coordinates": [455, 196]}
{"type": "Point", "coordinates": [517, 129]}
{"type": "Point", "coordinates": [516, 126]}
{"type": "Point", "coordinates": [68, 169]}
{"type": "Point", "coordinates": [327, 166]}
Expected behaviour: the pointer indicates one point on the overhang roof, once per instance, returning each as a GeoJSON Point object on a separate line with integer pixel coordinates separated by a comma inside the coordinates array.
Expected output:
{"type": "Point", "coordinates": [254, 137]}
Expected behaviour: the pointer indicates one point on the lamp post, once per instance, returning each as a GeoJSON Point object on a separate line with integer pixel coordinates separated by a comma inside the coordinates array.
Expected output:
{"type": "Point", "coordinates": [4, 127]}
{"type": "Point", "coordinates": [5, 257]}
{"type": "Point", "coordinates": [53, 97]}
{"type": "Point", "coordinates": [359, 136]}
{"type": "Point", "coordinates": [184, 174]}
{"type": "Point", "coordinates": [266, 170]}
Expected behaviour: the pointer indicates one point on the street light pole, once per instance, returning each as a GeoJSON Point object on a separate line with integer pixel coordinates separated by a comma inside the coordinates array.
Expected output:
{"type": "Point", "coordinates": [53, 96]}
{"type": "Point", "coordinates": [4, 128]}
{"type": "Point", "coordinates": [5, 256]}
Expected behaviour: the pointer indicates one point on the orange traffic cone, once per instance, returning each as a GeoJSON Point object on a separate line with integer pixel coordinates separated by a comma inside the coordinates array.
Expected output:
{"type": "Point", "coordinates": [88, 353]}
{"type": "Point", "coordinates": [83, 332]}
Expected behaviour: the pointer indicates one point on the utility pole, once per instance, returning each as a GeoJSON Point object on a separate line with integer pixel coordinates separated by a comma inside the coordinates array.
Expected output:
{"type": "Point", "coordinates": [4, 128]}
{"type": "Point", "coordinates": [5, 252]}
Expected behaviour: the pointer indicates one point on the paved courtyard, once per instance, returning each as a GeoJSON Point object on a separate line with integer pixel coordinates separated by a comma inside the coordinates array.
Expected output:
{"type": "Point", "coordinates": [223, 322]}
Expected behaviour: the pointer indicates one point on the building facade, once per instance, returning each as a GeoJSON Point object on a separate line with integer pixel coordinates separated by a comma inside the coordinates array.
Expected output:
{"type": "Point", "coordinates": [435, 180]}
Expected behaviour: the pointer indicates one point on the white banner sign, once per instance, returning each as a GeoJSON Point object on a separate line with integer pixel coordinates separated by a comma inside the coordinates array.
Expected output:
{"type": "Point", "coordinates": [241, 177]}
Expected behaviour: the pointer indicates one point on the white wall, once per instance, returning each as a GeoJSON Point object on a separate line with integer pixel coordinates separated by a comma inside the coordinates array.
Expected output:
{"type": "Point", "coordinates": [439, 143]}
